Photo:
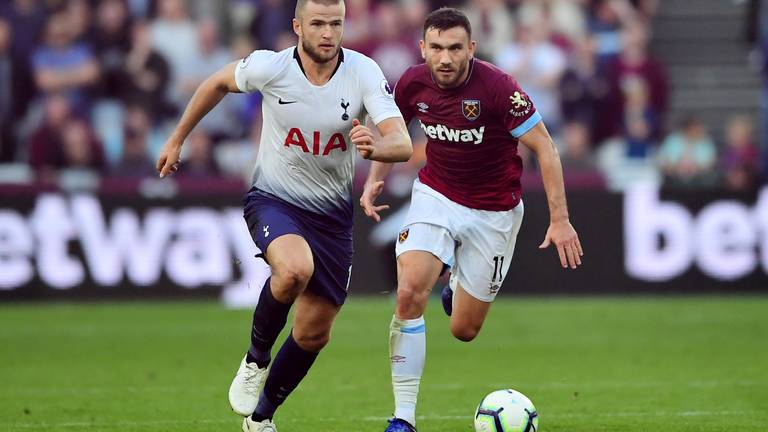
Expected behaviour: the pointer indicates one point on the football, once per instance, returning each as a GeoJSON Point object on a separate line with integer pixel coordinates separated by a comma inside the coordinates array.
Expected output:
{"type": "Point", "coordinates": [506, 411]}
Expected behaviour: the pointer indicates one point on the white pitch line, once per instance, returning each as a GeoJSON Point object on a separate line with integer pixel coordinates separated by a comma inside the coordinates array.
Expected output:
{"type": "Point", "coordinates": [580, 386]}
{"type": "Point", "coordinates": [381, 419]}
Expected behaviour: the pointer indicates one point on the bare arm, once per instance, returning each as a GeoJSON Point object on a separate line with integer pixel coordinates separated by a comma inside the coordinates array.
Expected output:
{"type": "Point", "coordinates": [395, 138]}
{"type": "Point", "coordinates": [374, 185]}
{"type": "Point", "coordinates": [560, 231]}
{"type": "Point", "coordinates": [394, 145]}
{"type": "Point", "coordinates": [206, 97]}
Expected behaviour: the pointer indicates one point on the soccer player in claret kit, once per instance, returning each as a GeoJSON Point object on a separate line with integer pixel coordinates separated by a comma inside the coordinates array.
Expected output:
{"type": "Point", "coordinates": [299, 211]}
{"type": "Point", "coordinates": [466, 206]}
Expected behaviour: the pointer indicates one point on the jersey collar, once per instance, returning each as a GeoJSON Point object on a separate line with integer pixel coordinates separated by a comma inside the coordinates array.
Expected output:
{"type": "Point", "coordinates": [301, 66]}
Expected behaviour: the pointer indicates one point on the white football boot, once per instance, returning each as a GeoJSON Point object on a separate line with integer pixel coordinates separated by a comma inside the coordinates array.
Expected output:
{"type": "Point", "coordinates": [262, 426]}
{"type": "Point", "coordinates": [245, 389]}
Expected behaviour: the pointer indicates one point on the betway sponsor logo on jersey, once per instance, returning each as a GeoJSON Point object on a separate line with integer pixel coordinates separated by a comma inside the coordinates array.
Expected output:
{"type": "Point", "coordinates": [444, 133]}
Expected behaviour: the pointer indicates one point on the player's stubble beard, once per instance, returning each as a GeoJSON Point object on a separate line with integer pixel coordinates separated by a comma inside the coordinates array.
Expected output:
{"type": "Point", "coordinates": [455, 79]}
{"type": "Point", "coordinates": [316, 56]}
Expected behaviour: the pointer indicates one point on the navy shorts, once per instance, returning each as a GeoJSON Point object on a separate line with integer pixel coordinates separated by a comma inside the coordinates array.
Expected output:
{"type": "Point", "coordinates": [268, 217]}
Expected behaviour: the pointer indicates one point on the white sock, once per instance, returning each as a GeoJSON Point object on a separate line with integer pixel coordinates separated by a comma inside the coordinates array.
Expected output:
{"type": "Point", "coordinates": [407, 351]}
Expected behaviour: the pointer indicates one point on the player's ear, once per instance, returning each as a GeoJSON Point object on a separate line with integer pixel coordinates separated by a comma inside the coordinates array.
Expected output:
{"type": "Point", "coordinates": [472, 48]}
{"type": "Point", "coordinates": [297, 27]}
{"type": "Point", "coordinates": [422, 48]}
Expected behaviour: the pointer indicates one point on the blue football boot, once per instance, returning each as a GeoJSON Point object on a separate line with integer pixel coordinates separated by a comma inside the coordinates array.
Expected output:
{"type": "Point", "coordinates": [447, 296]}
{"type": "Point", "coordinates": [399, 425]}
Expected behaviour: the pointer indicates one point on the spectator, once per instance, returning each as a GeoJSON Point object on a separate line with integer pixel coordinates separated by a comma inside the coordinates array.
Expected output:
{"type": "Point", "coordinates": [174, 37]}
{"type": "Point", "coordinates": [140, 9]}
{"type": "Point", "coordinates": [146, 75]}
{"type": "Point", "coordinates": [393, 50]}
{"type": "Point", "coordinates": [759, 14]}
{"type": "Point", "coordinates": [135, 161]}
{"type": "Point", "coordinates": [358, 24]}
{"type": "Point", "coordinates": [493, 25]}
{"type": "Point", "coordinates": [634, 62]}
{"type": "Point", "coordinates": [79, 12]}
{"type": "Point", "coordinates": [45, 142]}
{"type": "Point", "coordinates": [640, 121]}
{"type": "Point", "coordinates": [249, 104]}
{"type": "Point", "coordinates": [7, 148]}
{"type": "Point", "coordinates": [583, 87]}
{"type": "Point", "coordinates": [414, 14]}
{"type": "Point", "coordinates": [222, 121]}
{"type": "Point", "coordinates": [538, 66]}
{"type": "Point", "coordinates": [286, 40]}
{"type": "Point", "coordinates": [567, 17]}
{"type": "Point", "coordinates": [688, 156]}
{"type": "Point", "coordinates": [80, 148]}
{"type": "Point", "coordinates": [112, 42]}
{"type": "Point", "coordinates": [740, 160]}
{"type": "Point", "coordinates": [198, 160]}
{"type": "Point", "coordinates": [27, 20]}
{"type": "Point", "coordinates": [64, 65]}
{"type": "Point", "coordinates": [605, 22]}
{"type": "Point", "coordinates": [272, 18]}
{"type": "Point", "coordinates": [646, 8]}
{"type": "Point", "coordinates": [577, 150]}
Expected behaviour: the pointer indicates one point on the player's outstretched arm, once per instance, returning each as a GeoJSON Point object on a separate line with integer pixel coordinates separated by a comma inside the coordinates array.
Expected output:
{"type": "Point", "coordinates": [560, 231]}
{"type": "Point", "coordinates": [394, 146]}
{"type": "Point", "coordinates": [207, 96]}
{"type": "Point", "coordinates": [374, 185]}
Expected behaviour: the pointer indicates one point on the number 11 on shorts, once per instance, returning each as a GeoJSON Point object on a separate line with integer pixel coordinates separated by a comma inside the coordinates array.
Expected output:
{"type": "Point", "coordinates": [498, 264]}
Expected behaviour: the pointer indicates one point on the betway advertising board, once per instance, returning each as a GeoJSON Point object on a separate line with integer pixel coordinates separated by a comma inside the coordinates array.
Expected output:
{"type": "Point", "coordinates": [58, 246]}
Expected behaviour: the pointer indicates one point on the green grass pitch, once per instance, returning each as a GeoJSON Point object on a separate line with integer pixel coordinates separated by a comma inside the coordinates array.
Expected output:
{"type": "Point", "coordinates": [589, 364]}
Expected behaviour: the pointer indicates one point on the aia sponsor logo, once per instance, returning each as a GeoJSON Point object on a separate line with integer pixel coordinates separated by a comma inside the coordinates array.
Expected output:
{"type": "Point", "coordinates": [319, 146]}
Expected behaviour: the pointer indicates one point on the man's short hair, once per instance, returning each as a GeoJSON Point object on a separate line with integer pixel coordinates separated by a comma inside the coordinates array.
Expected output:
{"type": "Point", "coordinates": [301, 3]}
{"type": "Point", "coordinates": [447, 18]}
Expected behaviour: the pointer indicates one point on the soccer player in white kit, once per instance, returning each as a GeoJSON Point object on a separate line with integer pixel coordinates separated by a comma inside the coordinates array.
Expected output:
{"type": "Point", "coordinates": [466, 207]}
{"type": "Point", "coordinates": [299, 210]}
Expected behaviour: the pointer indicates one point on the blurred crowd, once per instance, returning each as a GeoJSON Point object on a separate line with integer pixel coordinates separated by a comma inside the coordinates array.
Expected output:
{"type": "Point", "coordinates": [91, 88]}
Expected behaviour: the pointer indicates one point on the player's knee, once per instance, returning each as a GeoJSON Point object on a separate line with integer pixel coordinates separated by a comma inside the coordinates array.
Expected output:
{"type": "Point", "coordinates": [411, 299]}
{"type": "Point", "coordinates": [464, 333]}
{"type": "Point", "coordinates": [312, 341]}
{"type": "Point", "coordinates": [291, 280]}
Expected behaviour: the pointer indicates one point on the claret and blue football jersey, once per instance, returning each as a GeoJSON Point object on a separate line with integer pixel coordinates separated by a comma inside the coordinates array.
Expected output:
{"type": "Point", "coordinates": [472, 133]}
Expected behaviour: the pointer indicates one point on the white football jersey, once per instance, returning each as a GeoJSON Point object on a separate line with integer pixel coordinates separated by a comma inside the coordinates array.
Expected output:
{"type": "Point", "coordinates": [305, 156]}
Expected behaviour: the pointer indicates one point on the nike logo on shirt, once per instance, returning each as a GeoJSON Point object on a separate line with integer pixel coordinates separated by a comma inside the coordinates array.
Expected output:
{"type": "Point", "coordinates": [282, 102]}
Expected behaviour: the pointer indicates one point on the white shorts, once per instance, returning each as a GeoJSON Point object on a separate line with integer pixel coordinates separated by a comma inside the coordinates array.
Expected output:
{"type": "Point", "coordinates": [476, 244]}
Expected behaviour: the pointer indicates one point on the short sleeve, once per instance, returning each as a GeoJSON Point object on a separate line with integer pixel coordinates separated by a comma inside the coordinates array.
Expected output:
{"type": "Point", "coordinates": [254, 71]}
{"type": "Point", "coordinates": [401, 99]}
{"type": "Point", "coordinates": [377, 94]}
{"type": "Point", "coordinates": [516, 108]}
